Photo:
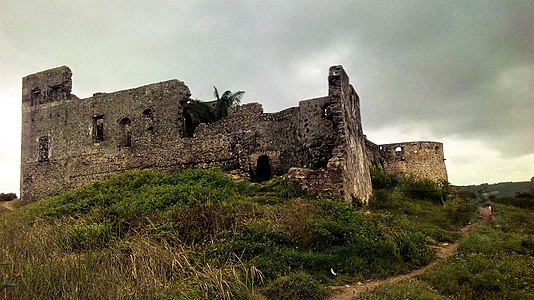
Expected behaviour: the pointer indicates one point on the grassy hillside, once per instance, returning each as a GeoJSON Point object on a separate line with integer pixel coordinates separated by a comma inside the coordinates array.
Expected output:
{"type": "Point", "coordinates": [198, 234]}
{"type": "Point", "coordinates": [499, 190]}
{"type": "Point", "coordinates": [495, 261]}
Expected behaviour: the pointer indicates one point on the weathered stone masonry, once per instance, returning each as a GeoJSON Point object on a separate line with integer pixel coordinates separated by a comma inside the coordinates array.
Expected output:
{"type": "Point", "coordinates": [68, 142]}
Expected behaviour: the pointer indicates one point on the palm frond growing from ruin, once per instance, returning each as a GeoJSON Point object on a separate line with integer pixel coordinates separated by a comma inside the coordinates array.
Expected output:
{"type": "Point", "coordinates": [226, 100]}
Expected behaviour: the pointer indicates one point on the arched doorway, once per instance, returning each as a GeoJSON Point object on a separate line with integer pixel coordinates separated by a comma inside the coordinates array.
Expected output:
{"type": "Point", "coordinates": [263, 168]}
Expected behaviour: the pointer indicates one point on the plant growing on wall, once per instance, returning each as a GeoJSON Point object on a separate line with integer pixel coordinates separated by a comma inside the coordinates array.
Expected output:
{"type": "Point", "coordinates": [226, 100]}
{"type": "Point", "coordinates": [196, 111]}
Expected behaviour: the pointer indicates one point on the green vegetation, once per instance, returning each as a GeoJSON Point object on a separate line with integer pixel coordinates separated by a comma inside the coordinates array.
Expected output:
{"type": "Point", "coordinates": [226, 100]}
{"type": "Point", "coordinates": [7, 196]}
{"type": "Point", "coordinates": [197, 234]}
{"type": "Point", "coordinates": [197, 112]}
{"type": "Point", "coordinates": [495, 261]}
{"type": "Point", "coordinates": [502, 189]}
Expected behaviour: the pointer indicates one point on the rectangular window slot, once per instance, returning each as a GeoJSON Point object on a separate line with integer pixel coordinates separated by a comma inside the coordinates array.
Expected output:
{"type": "Point", "coordinates": [98, 128]}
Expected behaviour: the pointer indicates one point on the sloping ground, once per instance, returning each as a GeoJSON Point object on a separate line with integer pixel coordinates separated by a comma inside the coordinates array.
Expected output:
{"type": "Point", "coordinates": [493, 261]}
{"type": "Point", "coordinates": [351, 291]}
{"type": "Point", "coordinates": [197, 234]}
{"type": "Point", "coordinates": [7, 205]}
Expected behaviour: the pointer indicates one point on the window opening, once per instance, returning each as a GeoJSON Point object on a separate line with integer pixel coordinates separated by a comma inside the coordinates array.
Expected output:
{"type": "Point", "coordinates": [35, 96]}
{"type": "Point", "coordinates": [327, 112]}
{"type": "Point", "coordinates": [263, 168]}
{"type": "Point", "coordinates": [54, 93]}
{"type": "Point", "coordinates": [126, 132]}
{"type": "Point", "coordinates": [189, 127]}
{"type": "Point", "coordinates": [98, 128]}
{"type": "Point", "coordinates": [148, 112]}
{"type": "Point", "coordinates": [149, 116]}
{"type": "Point", "coordinates": [43, 148]}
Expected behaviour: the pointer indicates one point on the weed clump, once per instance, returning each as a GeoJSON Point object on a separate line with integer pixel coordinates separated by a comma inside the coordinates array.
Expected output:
{"type": "Point", "coordinates": [295, 286]}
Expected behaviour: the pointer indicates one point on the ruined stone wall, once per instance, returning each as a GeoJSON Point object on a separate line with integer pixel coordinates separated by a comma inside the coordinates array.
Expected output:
{"type": "Point", "coordinates": [349, 153]}
{"type": "Point", "coordinates": [254, 133]}
{"type": "Point", "coordinates": [317, 131]}
{"type": "Point", "coordinates": [372, 152]}
{"type": "Point", "coordinates": [420, 159]}
{"type": "Point", "coordinates": [339, 141]}
{"type": "Point", "coordinates": [68, 142]}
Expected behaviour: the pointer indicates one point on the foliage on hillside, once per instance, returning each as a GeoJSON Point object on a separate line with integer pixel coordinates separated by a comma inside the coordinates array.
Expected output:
{"type": "Point", "coordinates": [197, 234]}
{"type": "Point", "coordinates": [496, 261]}
{"type": "Point", "coordinates": [500, 190]}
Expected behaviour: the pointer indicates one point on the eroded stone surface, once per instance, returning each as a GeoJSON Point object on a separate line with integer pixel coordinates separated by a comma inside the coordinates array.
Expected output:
{"type": "Point", "coordinates": [68, 142]}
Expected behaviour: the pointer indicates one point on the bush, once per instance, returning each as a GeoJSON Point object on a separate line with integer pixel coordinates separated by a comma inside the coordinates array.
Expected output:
{"type": "Point", "coordinates": [8, 196]}
{"type": "Point", "coordinates": [461, 211]}
{"type": "Point", "coordinates": [295, 286]}
{"type": "Point", "coordinates": [384, 199]}
{"type": "Point", "coordinates": [523, 200]}
{"type": "Point", "coordinates": [481, 276]}
{"type": "Point", "coordinates": [382, 180]}
{"type": "Point", "coordinates": [422, 189]}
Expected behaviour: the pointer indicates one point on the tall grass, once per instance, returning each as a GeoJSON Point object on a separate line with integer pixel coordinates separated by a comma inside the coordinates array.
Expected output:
{"type": "Point", "coordinates": [197, 234]}
{"type": "Point", "coordinates": [495, 261]}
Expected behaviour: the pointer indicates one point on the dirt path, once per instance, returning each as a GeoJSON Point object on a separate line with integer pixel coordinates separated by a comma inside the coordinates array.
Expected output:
{"type": "Point", "coordinates": [7, 205]}
{"type": "Point", "coordinates": [353, 291]}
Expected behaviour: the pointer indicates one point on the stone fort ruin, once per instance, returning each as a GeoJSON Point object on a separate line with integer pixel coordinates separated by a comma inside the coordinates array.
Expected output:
{"type": "Point", "coordinates": [68, 142]}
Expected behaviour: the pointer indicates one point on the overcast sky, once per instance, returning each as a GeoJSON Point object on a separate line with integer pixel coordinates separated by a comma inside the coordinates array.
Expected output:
{"type": "Point", "coordinates": [458, 72]}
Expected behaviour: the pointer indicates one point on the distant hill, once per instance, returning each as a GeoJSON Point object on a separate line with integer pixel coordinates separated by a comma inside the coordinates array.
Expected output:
{"type": "Point", "coordinates": [502, 189]}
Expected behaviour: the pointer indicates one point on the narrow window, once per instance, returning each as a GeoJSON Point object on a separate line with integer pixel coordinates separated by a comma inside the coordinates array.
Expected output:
{"type": "Point", "coordinates": [98, 128]}
{"type": "Point", "coordinates": [54, 92]}
{"type": "Point", "coordinates": [43, 148]}
{"type": "Point", "coordinates": [126, 132]}
{"type": "Point", "coordinates": [35, 96]}
{"type": "Point", "coordinates": [327, 111]}
{"type": "Point", "coordinates": [149, 119]}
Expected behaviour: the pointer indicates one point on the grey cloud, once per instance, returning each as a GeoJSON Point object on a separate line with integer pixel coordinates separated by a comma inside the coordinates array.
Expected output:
{"type": "Point", "coordinates": [431, 64]}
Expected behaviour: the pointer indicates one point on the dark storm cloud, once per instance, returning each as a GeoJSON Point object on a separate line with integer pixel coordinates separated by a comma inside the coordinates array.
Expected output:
{"type": "Point", "coordinates": [450, 68]}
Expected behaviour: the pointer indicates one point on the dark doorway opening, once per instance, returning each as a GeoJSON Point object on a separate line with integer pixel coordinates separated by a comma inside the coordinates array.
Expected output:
{"type": "Point", "coordinates": [189, 126]}
{"type": "Point", "coordinates": [263, 168]}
